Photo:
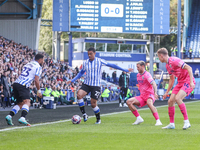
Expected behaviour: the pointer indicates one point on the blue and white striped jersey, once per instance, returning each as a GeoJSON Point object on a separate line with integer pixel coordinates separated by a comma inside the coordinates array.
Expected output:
{"type": "Point", "coordinates": [93, 71]}
{"type": "Point", "coordinates": [29, 71]}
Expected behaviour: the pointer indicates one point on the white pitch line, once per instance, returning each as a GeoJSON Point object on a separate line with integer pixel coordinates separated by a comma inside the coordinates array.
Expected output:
{"type": "Point", "coordinates": [47, 123]}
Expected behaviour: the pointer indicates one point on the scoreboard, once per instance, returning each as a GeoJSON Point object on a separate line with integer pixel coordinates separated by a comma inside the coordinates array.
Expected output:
{"type": "Point", "coordinates": [120, 16]}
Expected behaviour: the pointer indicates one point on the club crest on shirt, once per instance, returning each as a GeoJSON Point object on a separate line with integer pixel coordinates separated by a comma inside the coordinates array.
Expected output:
{"type": "Point", "coordinates": [142, 77]}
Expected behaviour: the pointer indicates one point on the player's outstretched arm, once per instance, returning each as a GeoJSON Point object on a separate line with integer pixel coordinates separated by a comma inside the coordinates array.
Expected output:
{"type": "Point", "coordinates": [119, 68]}
{"type": "Point", "coordinates": [189, 69]}
{"type": "Point", "coordinates": [77, 76]}
{"type": "Point", "coordinates": [37, 83]}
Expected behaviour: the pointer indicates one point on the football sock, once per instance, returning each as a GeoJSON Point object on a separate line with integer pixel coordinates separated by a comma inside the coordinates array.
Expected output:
{"type": "Point", "coordinates": [183, 111]}
{"type": "Point", "coordinates": [25, 110]}
{"type": "Point", "coordinates": [14, 111]}
{"type": "Point", "coordinates": [81, 105]}
{"type": "Point", "coordinates": [135, 112]}
{"type": "Point", "coordinates": [156, 116]}
{"type": "Point", "coordinates": [171, 112]}
{"type": "Point", "coordinates": [97, 112]}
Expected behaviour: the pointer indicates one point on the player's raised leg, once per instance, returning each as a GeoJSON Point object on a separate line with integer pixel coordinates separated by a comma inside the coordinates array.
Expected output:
{"type": "Point", "coordinates": [131, 102]}
{"type": "Point", "coordinates": [179, 100]}
{"type": "Point", "coordinates": [81, 93]}
{"type": "Point", "coordinates": [154, 111]}
{"type": "Point", "coordinates": [171, 112]}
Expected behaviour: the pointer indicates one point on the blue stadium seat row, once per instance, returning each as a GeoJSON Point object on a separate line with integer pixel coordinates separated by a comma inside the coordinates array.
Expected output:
{"type": "Point", "coordinates": [193, 39]}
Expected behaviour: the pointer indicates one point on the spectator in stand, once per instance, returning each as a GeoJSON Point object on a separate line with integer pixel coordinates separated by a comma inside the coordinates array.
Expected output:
{"type": "Point", "coordinates": [2, 103]}
{"type": "Point", "coordinates": [172, 51]}
{"type": "Point", "coordinates": [114, 76]}
{"type": "Point", "coordinates": [55, 94]}
{"type": "Point", "coordinates": [14, 72]}
{"type": "Point", "coordinates": [104, 75]}
{"type": "Point", "coordinates": [72, 87]}
{"type": "Point", "coordinates": [196, 74]}
{"type": "Point", "coordinates": [14, 56]}
{"type": "Point", "coordinates": [190, 52]}
{"type": "Point", "coordinates": [77, 69]}
{"type": "Point", "coordinates": [124, 85]}
{"type": "Point", "coordinates": [59, 78]}
{"type": "Point", "coordinates": [176, 51]}
{"type": "Point", "coordinates": [105, 95]}
{"type": "Point", "coordinates": [184, 53]}
{"type": "Point", "coordinates": [108, 77]}
{"type": "Point", "coordinates": [6, 90]}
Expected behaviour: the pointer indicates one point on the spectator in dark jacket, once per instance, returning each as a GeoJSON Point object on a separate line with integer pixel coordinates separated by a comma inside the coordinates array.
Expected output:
{"type": "Point", "coordinates": [123, 84]}
{"type": "Point", "coordinates": [104, 75]}
{"type": "Point", "coordinates": [6, 90]}
{"type": "Point", "coordinates": [108, 77]}
{"type": "Point", "coordinates": [114, 76]}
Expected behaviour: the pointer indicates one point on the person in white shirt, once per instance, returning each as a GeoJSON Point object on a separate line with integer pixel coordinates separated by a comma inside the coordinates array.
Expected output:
{"type": "Point", "coordinates": [196, 73]}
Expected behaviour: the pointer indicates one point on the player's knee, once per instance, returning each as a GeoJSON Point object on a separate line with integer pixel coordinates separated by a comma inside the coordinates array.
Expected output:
{"type": "Point", "coordinates": [149, 103]}
{"type": "Point", "coordinates": [27, 102]}
{"type": "Point", "coordinates": [128, 102]}
{"type": "Point", "coordinates": [170, 102]}
{"type": "Point", "coordinates": [177, 98]}
{"type": "Point", "coordinates": [79, 96]}
{"type": "Point", "coordinates": [93, 104]}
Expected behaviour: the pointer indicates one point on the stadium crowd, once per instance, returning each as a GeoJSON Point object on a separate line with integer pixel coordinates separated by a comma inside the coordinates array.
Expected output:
{"type": "Point", "coordinates": [14, 56]}
{"type": "Point", "coordinates": [55, 74]}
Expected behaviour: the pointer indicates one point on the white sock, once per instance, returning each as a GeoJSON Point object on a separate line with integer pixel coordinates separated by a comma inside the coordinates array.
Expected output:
{"type": "Point", "coordinates": [96, 109]}
{"type": "Point", "coordinates": [25, 107]}
{"type": "Point", "coordinates": [15, 109]}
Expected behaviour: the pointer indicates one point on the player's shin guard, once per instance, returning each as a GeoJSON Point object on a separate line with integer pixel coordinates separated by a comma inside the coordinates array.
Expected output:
{"type": "Point", "coordinates": [97, 112]}
{"type": "Point", "coordinates": [171, 111]}
{"type": "Point", "coordinates": [183, 111]}
{"type": "Point", "coordinates": [15, 110]}
{"type": "Point", "coordinates": [81, 105]}
{"type": "Point", "coordinates": [25, 110]}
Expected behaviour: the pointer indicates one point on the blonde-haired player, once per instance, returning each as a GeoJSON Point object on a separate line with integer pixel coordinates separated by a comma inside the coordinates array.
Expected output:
{"type": "Point", "coordinates": [148, 94]}
{"type": "Point", "coordinates": [186, 84]}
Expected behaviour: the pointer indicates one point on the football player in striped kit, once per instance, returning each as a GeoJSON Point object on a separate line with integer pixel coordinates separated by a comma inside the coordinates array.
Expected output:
{"type": "Point", "coordinates": [92, 67]}
{"type": "Point", "coordinates": [31, 71]}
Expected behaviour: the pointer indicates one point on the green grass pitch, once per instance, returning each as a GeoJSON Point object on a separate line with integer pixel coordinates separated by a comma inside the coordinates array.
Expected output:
{"type": "Point", "coordinates": [115, 133]}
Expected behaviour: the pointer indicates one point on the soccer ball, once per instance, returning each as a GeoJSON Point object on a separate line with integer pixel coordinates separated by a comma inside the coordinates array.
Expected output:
{"type": "Point", "coordinates": [76, 119]}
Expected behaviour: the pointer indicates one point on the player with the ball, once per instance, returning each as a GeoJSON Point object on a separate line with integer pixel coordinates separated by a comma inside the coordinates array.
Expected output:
{"type": "Point", "coordinates": [92, 81]}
